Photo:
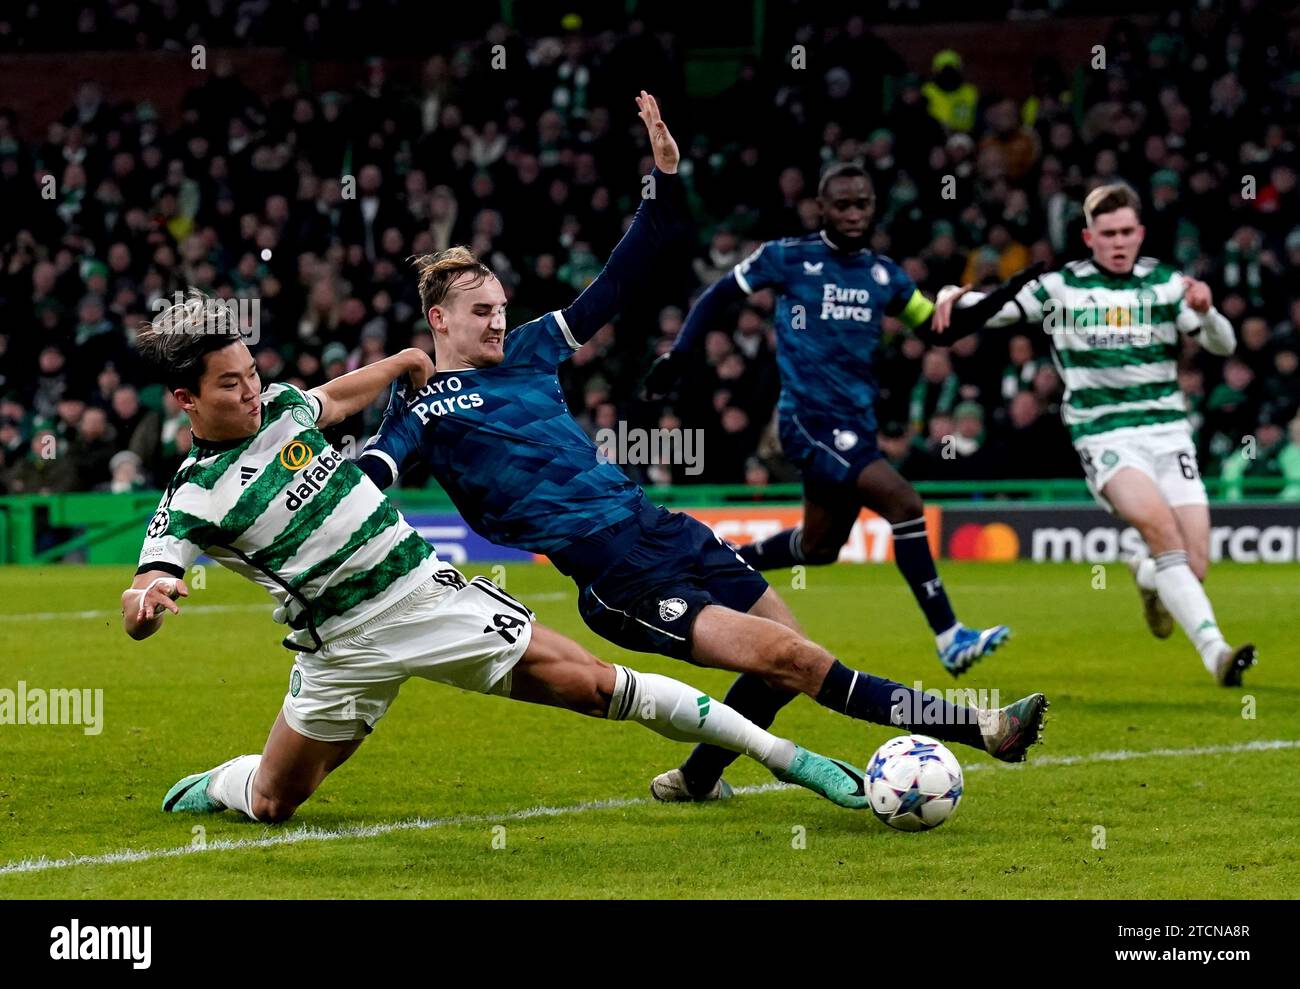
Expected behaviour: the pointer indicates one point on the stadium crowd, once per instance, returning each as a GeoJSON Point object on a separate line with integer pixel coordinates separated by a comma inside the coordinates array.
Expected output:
{"type": "Point", "coordinates": [309, 203]}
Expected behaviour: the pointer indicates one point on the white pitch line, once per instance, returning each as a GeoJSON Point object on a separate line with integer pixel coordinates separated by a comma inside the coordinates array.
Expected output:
{"type": "Point", "coordinates": [1124, 755]}
{"type": "Point", "coordinates": [310, 833]}
{"type": "Point", "coordinates": [201, 609]}
{"type": "Point", "coordinates": [197, 609]}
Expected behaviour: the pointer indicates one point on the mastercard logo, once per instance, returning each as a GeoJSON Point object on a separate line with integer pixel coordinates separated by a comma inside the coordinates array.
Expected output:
{"type": "Point", "coordinates": [996, 542]}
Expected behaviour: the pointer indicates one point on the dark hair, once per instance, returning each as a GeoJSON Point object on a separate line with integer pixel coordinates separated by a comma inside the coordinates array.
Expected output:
{"type": "Point", "coordinates": [176, 344]}
{"type": "Point", "coordinates": [438, 272]}
{"type": "Point", "coordinates": [841, 170]}
{"type": "Point", "coordinates": [1109, 198]}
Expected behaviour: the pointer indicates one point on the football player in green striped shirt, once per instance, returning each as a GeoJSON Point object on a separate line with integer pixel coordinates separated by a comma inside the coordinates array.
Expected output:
{"type": "Point", "coordinates": [1113, 325]}
{"type": "Point", "coordinates": [366, 600]}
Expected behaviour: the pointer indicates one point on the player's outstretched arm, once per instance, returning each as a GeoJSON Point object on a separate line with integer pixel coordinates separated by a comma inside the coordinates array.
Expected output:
{"type": "Point", "coordinates": [667, 370]}
{"type": "Point", "coordinates": [349, 393]}
{"type": "Point", "coordinates": [658, 220]}
{"type": "Point", "coordinates": [950, 321]}
{"type": "Point", "coordinates": [151, 595]}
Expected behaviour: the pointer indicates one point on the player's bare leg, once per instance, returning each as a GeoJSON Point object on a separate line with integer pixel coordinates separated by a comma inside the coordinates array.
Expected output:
{"type": "Point", "coordinates": [1138, 501]}
{"type": "Point", "coordinates": [773, 607]}
{"type": "Point", "coordinates": [267, 787]}
{"type": "Point", "coordinates": [1194, 524]}
{"type": "Point", "coordinates": [558, 672]}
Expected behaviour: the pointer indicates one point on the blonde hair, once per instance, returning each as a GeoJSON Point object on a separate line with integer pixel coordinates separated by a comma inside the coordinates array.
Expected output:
{"type": "Point", "coordinates": [439, 271]}
{"type": "Point", "coordinates": [1109, 198]}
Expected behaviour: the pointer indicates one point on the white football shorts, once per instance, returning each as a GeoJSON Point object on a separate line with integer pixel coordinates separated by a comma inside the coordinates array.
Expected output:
{"type": "Point", "coordinates": [1167, 456]}
{"type": "Point", "coordinates": [468, 636]}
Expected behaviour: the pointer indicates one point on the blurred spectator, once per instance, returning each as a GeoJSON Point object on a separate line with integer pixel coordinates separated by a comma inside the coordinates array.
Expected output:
{"type": "Point", "coordinates": [1018, 376]}
{"type": "Point", "coordinates": [44, 470]}
{"type": "Point", "coordinates": [126, 474]}
{"type": "Point", "coordinates": [952, 100]}
{"type": "Point", "coordinates": [309, 202]}
{"type": "Point", "coordinates": [92, 451]}
{"type": "Point", "coordinates": [1269, 455]}
{"type": "Point", "coordinates": [935, 392]}
{"type": "Point", "coordinates": [968, 425]}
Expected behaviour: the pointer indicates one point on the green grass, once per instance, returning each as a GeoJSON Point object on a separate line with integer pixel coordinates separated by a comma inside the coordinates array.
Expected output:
{"type": "Point", "coordinates": [209, 685]}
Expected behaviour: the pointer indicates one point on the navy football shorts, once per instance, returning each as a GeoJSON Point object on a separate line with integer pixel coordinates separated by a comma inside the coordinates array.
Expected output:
{"type": "Point", "coordinates": [830, 456]}
{"type": "Point", "coordinates": [649, 599]}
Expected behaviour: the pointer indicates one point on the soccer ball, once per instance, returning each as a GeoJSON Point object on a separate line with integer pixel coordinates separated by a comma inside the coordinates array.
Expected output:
{"type": "Point", "coordinates": [914, 783]}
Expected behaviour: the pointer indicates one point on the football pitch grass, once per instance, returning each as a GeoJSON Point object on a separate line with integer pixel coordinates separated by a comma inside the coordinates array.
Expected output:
{"type": "Point", "coordinates": [1152, 783]}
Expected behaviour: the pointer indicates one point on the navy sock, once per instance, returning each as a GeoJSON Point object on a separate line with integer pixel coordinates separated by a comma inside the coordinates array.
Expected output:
{"type": "Point", "coordinates": [885, 702]}
{"type": "Point", "coordinates": [785, 549]}
{"type": "Point", "coordinates": [912, 554]}
{"type": "Point", "coordinates": [751, 697]}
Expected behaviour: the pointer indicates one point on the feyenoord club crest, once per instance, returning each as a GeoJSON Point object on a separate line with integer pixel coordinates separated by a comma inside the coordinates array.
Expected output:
{"type": "Point", "coordinates": [158, 524]}
{"type": "Point", "coordinates": [672, 609]}
{"type": "Point", "coordinates": [845, 439]}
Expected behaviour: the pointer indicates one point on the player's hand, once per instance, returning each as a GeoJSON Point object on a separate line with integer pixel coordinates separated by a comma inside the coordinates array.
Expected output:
{"type": "Point", "coordinates": [161, 596]}
{"type": "Point", "coordinates": [664, 374]}
{"type": "Point", "coordinates": [943, 306]}
{"type": "Point", "coordinates": [419, 367]}
{"type": "Point", "coordinates": [1197, 295]}
{"type": "Point", "coordinates": [661, 141]}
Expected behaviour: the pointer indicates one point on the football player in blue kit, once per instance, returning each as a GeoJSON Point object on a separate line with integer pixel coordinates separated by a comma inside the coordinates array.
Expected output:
{"type": "Point", "coordinates": [833, 294]}
{"type": "Point", "coordinates": [493, 426]}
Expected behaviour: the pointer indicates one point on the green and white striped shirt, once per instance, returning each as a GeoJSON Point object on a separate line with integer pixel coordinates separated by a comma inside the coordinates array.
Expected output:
{"type": "Point", "coordinates": [286, 510]}
{"type": "Point", "coordinates": [1114, 341]}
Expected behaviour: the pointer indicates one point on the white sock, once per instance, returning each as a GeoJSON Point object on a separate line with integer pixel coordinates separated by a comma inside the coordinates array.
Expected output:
{"type": "Point", "coordinates": [944, 638]}
{"type": "Point", "coordinates": [1185, 598]}
{"type": "Point", "coordinates": [683, 714]}
{"type": "Point", "coordinates": [1146, 574]}
{"type": "Point", "coordinates": [232, 784]}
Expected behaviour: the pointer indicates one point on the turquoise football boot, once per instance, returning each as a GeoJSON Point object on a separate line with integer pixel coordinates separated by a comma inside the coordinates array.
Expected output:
{"type": "Point", "coordinates": [836, 781]}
